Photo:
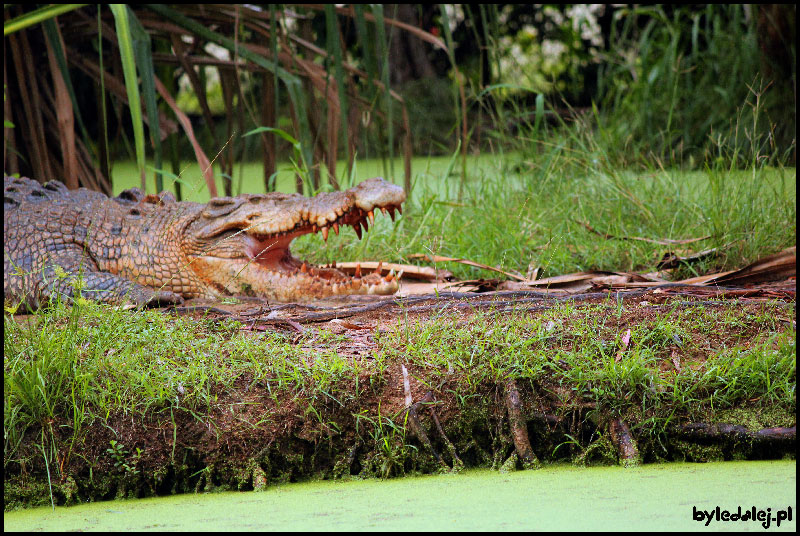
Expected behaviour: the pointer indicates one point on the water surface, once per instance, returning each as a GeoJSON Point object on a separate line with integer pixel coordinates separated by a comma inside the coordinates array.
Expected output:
{"type": "Point", "coordinates": [652, 497]}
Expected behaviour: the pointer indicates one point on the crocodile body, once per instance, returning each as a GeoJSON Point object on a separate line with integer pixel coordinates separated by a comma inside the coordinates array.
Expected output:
{"type": "Point", "coordinates": [151, 249]}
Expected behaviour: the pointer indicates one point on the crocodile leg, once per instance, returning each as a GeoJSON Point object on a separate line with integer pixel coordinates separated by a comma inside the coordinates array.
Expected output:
{"type": "Point", "coordinates": [69, 272]}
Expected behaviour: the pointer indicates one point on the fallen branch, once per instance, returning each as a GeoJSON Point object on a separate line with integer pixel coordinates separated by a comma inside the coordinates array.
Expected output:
{"type": "Point", "coordinates": [425, 273]}
{"type": "Point", "coordinates": [437, 258]}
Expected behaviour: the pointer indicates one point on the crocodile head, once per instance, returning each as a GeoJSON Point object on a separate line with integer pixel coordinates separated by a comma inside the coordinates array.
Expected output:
{"type": "Point", "coordinates": [240, 245]}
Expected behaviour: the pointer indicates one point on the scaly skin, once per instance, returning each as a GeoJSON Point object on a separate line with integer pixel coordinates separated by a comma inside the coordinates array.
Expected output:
{"type": "Point", "coordinates": [146, 249]}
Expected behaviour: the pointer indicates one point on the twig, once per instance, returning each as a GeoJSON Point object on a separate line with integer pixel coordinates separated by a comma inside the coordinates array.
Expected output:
{"type": "Point", "coordinates": [662, 242]}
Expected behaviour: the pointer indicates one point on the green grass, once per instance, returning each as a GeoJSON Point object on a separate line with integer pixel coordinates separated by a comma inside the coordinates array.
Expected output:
{"type": "Point", "coordinates": [71, 367]}
{"type": "Point", "coordinates": [579, 347]}
{"type": "Point", "coordinates": [83, 384]}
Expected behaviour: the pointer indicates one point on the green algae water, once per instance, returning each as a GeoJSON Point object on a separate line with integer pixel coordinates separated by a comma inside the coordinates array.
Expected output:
{"type": "Point", "coordinates": [652, 497]}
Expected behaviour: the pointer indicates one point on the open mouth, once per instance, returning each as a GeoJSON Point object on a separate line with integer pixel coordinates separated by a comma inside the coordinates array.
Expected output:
{"type": "Point", "coordinates": [272, 251]}
{"type": "Point", "coordinates": [245, 242]}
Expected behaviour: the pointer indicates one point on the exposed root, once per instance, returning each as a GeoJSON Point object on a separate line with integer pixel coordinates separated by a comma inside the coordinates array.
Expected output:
{"type": "Point", "coordinates": [704, 431]}
{"type": "Point", "coordinates": [519, 428]}
{"type": "Point", "coordinates": [416, 427]}
{"type": "Point", "coordinates": [624, 442]}
{"type": "Point", "coordinates": [457, 463]}
{"type": "Point", "coordinates": [413, 418]}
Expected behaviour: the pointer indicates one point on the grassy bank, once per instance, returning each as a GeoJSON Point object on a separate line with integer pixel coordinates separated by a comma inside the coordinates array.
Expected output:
{"type": "Point", "coordinates": [102, 403]}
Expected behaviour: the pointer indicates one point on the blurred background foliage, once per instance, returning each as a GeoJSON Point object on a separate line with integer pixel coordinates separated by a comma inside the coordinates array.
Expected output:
{"type": "Point", "coordinates": [682, 85]}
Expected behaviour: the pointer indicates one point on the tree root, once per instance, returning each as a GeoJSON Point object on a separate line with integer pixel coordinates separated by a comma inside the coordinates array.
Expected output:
{"type": "Point", "coordinates": [419, 431]}
{"type": "Point", "coordinates": [457, 463]}
{"type": "Point", "coordinates": [624, 443]}
{"type": "Point", "coordinates": [519, 428]}
{"type": "Point", "coordinates": [704, 431]}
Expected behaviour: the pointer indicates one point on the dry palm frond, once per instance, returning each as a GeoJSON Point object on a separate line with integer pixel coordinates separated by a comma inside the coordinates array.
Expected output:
{"type": "Point", "coordinates": [275, 68]}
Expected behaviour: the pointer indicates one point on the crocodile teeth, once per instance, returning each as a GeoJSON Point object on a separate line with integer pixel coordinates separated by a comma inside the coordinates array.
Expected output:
{"type": "Point", "coordinates": [325, 233]}
{"type": "Point", "coordinates": [389, 276]}
{"type": "Point", "coordinates": [335, 228]}
{"type": "Point", "coordinates": [371, 216]}
{"type": "Point", "coordinates": [358, 271]}
{"type": "Point", "coordinates": [358, 230]}
{"type": "Point", "coordinates": [378, 269]}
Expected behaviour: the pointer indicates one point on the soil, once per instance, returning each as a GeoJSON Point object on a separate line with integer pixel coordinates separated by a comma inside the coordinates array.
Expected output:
{"type": "Point", "coordinates": [247, 440]}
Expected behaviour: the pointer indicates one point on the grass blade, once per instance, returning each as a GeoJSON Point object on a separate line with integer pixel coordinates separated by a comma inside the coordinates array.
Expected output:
{"type": "Point", "coordinates": [332, 28]}
{"type": "Point", "coordinates": [125, 40]}
{"type": "Point", "coordinates": [35, 17]}
{"type": "Point", "coordinates": [144, 61]}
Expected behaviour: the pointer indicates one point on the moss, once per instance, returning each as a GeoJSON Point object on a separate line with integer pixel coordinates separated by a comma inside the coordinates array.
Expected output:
{"type": "Point", "coordinates": [510, 464]}
{"type": "Point", "coordinates": [685, 451]}
{"type": "Point", "coordinates": [601, 451]}
{"type": "Point", "coordinates": [755, 418]}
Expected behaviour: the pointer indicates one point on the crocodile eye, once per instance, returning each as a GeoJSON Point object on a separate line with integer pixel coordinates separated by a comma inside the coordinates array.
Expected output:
{"type": "Point", "coordinates": [54, 186]}
{"type": "Point", "coordinates": [221, 201]}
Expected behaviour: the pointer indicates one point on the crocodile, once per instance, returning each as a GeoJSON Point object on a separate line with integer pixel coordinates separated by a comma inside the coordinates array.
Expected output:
{"type": "Point", "coordinates": [140, 249]}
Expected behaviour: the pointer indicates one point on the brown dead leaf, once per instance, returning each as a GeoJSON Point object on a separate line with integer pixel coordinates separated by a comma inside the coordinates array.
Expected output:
{"type": "Point", "coordinates": [183, 119]}
{"type": "Point", "coordinates": [582, 281]}
{"type": "Point", "coordinates": [776, 267]}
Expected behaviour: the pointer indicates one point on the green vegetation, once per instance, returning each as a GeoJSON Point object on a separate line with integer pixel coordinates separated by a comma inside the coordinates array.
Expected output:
{"type": "Point", "coordinates": [579, 347]}
{"type": "Point", "coordinates": [689, 86]}
{"type": "Point", "coordinates": [114, 400]}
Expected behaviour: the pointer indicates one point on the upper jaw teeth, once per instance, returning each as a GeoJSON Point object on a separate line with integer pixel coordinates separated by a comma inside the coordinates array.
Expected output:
{"type": "Point", "coordinates": [357, 218]}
